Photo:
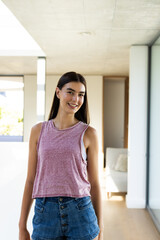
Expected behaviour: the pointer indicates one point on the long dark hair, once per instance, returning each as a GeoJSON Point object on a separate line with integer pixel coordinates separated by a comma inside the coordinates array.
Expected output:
{"type": "Point", "coordinates": [83, 113]}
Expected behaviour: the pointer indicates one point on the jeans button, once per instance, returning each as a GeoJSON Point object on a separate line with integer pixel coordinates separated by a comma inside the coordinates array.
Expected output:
{"type": "Point", "coordinates": [64, 224]}
{"type": "Point", "coordinates": [61, 199]}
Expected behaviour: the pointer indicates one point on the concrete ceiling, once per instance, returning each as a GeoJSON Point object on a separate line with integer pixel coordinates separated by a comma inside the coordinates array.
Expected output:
{"type": "Point", "coordinates": [87, 36]}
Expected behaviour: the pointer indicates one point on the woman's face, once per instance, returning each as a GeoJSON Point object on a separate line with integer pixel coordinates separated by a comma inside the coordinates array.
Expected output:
{"type": "Point", "coordinates": [71, 96]}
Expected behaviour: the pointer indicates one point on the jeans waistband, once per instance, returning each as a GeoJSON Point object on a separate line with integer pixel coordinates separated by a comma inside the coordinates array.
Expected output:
{"type": "Point", "coordinates": [56, 199]}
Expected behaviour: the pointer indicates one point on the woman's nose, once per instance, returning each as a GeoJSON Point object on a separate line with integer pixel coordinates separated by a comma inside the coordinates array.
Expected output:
{"type": "Point", "coordinates": [75, 98]}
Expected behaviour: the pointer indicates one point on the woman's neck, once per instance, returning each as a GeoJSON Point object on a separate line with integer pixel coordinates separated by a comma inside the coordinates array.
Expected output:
{"type": "Point", "coordinates": [61, 121]}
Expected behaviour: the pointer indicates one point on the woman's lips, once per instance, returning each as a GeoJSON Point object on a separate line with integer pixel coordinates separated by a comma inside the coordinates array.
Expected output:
{"type": "Point", "coordinates": [73, 106]}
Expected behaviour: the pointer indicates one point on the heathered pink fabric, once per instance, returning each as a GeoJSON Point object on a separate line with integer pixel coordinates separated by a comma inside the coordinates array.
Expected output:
{"type": "Point", "coordinates": [61, 169]}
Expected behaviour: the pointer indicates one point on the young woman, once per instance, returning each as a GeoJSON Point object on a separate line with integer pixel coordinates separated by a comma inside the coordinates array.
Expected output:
{"type": "Point", "coordinates": [63, 170]}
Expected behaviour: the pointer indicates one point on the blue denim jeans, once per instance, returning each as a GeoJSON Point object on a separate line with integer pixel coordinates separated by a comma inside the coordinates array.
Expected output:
{"type": "Point", "coordinates": [57, 218]}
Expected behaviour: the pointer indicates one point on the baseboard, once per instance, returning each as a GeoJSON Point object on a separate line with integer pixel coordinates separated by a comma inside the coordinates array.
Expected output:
{"type": "Point", "coordinates": [135, 203]}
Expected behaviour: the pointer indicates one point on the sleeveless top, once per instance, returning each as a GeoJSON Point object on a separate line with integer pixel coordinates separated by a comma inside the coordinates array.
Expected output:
{"type": "Point", "coordinates": [61, 164]}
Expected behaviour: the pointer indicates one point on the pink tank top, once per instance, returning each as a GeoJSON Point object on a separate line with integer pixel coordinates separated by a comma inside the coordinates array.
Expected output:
{"type": "Point", "coordinates": [61, 165]}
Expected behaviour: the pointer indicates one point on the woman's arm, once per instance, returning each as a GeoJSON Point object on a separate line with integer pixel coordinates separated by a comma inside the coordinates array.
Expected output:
{"type": "Point", "coordinates": [91, 143]}
{"type": "Point", "coordinates": [27, 195]}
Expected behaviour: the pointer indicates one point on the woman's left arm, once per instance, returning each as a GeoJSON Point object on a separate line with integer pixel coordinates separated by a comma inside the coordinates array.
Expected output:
{"type": "Point", "coordinates": [91, 140]}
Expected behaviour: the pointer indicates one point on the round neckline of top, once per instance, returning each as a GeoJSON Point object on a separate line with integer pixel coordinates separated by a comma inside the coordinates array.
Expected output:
{"type": "Point", "coordinates": [64, 128]}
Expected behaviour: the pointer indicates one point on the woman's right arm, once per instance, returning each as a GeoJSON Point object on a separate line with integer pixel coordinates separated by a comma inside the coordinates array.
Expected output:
{"type": "Point", "coordinates": [27, 195]}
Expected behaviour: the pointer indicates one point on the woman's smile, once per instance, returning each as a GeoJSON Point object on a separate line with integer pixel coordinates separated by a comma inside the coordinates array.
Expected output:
{"type": "Point", "coordinates": [73, 106]}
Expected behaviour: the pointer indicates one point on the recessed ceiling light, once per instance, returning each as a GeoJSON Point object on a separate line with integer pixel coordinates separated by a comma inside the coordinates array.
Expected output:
{"type": "Point", "coordinates": [85, 33]}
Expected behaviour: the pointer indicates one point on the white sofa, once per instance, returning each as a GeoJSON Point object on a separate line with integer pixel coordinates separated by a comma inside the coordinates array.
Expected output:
{"type": "Point", "coordinates": [116, 180]}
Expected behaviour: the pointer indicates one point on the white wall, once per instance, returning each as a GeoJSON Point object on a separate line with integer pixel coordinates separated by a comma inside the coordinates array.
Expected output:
{"type": "Point", "coordinates": [95, 101]}
{"type": "Point", "coordinates": [136, 197]}
{"type": "Point", "coordinates": [51, 83]}
{"type": "Point", "coordinates": [13, 170]}
{"type": "Point", "coordinates": [30, 98]}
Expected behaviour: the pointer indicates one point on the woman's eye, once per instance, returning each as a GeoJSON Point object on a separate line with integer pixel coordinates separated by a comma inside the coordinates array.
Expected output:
{"type": "Point", "coordinates": [70, 92]}
{"type": "Point", "coordinates": [81, 95]}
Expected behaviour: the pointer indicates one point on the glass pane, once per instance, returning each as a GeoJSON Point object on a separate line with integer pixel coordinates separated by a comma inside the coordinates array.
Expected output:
{"type": "Point", "coordinates": [154, 156]}
{"type": "Point", "coordinates": [11, 108]}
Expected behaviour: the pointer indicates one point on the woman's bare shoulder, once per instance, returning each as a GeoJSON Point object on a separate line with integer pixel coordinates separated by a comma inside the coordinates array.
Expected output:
{"type": "Point", "coordinates": [90, 136]}
{"type": "Point", "coordinates": [91, 132]}
{"type": "Point", "coordinates": [36, 130]}
{"type": "Point", "coordinates": [37, 126]}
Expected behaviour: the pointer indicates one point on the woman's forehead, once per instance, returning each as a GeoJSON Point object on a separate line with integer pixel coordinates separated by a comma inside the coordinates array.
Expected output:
{"type": "Point", "coordinates": [76, 86]}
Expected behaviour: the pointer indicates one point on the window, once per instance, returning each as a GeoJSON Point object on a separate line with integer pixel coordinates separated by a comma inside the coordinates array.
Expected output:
{"type": "Point", "coordinates": [11, 109]}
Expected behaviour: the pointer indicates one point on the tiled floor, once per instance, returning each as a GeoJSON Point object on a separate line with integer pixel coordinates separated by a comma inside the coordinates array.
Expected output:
{"type": "Point", "coordinates": [122, 223]}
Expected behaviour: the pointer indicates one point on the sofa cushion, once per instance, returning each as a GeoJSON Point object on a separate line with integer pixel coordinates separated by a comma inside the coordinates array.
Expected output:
{"type": "Point", "coordinates": [112, 156]}
{"type": "Point", "coordinates": [122, 162]}
{"type": "Point", "coordinates": [116, 181]}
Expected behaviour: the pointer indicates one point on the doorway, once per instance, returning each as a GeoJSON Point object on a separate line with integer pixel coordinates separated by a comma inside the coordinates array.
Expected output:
{"type": "Point", "coordinates": [115, 112]}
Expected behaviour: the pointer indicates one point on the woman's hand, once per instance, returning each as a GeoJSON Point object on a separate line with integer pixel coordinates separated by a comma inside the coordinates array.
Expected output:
{"type": "Point", "coordinates": [100, 236]}
{"type": "Point", "coordinates": [24, 234]}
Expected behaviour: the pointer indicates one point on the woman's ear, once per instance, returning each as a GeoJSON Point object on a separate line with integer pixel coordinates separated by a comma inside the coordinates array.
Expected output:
{"type": "Point", "coordinates": [57, 92]}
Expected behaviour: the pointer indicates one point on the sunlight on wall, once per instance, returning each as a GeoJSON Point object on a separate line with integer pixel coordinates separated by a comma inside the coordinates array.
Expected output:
{"type": "Point", "coordinates": [13, 170]}
{"type": "Point", "coordinates": [15, 40]}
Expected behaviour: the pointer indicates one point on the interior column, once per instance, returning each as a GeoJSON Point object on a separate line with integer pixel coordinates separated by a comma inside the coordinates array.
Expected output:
{"type": "Point", "coordinates": [137, 138]}
{"type": "Point", "coordinates": [41, 79]}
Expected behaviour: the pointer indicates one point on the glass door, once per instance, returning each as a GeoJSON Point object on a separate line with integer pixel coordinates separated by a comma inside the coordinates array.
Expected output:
{"type": "Point", "coordinates": [154, 136]}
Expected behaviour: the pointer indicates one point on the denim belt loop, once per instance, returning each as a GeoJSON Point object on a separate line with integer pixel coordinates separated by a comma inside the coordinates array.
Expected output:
{"type": "Point", "coordinates": [44, 199]}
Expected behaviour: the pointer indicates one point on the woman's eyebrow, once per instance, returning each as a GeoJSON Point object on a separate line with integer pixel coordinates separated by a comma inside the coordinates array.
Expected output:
{"type": "Point", "coordinates": [74, 90]}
